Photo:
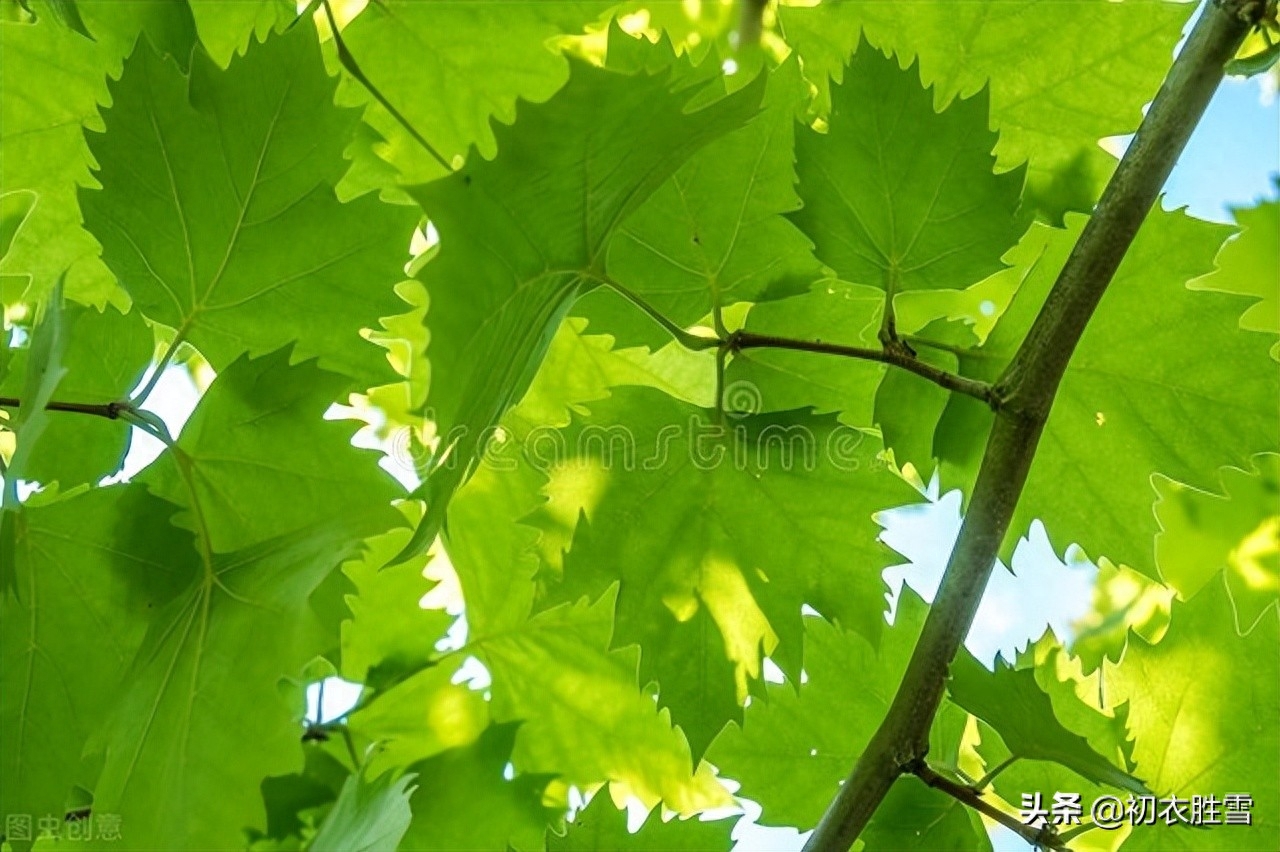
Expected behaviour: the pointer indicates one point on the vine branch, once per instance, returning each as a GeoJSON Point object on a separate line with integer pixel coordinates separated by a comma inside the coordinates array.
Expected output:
{"type": "Point", "coordinates": [1026, 392]}
{"type": "Point", "coordinates": [109, 410]}
{"type": "Point", "coordinates": [1039, 837]}
{"type": "Point", "coordinates": [895, 356]}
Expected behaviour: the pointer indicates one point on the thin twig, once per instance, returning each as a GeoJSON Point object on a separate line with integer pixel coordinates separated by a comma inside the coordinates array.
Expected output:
{"type": "Point", "coordinates": [1045, 836]}
{"type": "Point", "coordinates": [109, 410]}
{"type": "Point", "coordinates": [353, 68]}
{"type": "Point", "coordinates": [960, 384]}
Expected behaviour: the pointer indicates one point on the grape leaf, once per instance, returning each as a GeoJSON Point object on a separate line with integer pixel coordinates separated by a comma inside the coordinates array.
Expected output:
{"type": "Point", "coordinates": [1061, 75]}
{"type": "Point", "coordinates": [369, 816]}
{"type": "Point", "coordinates": [464, 802]}
{"type": "Point", "coordinates": [899, 196]}
{"type": "Point", "coordinates": [449, 68]}
{"type": "Point", "coordinates": [227, 29]}
{"type": "Point", "coordinates": [524, 234]}
{"type": "Point", "coordinates": [763, 541]}
{"type": "Point", "coordinates": [1247, 264]}
{"type": "Point", "coordinates": [218, 215]}
{"type": "Point", "coordinates": [176, 769]}
{"type": "Point", "coordinates": [584, 717]}
{"type": "Point", "coordinates": [601, 826]}
{"type": "Point", "coordinates": [1011, 701]}
{"type": "Point", "coordinates": [88, 571]}
{"type": "Point", "coordinates": [51, 83]}
{"type": "Point", "coordinates": [792, 751]}
{"type": "Point", "coordinates": [257, 460]}
{"type": "Point", "coordinates": [106, 354]}
{"type": "Point", "coordinates": [913, 816]}
{"type": "Point", "coordinates": [1235, 533]}
{"type": "Point", "coordinates": [389, 634]}
{"type": "Point", "coordinates": [420, 716]}
{"type": "Point", "coordinates": [1163, 381]}
{"type": "Point", "coordinates": [1203, 701]}
{"type": "Point", "coordinates": [714, 233]}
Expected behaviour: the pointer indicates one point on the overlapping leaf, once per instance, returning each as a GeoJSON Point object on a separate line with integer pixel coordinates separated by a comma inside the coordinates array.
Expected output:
{"type": "Point", "coordinates": [524, 234]}
{"type": "Point", "coordinates": [1012, 702]}
{"type": "Point", "coordinates": [210, 668]}
{"type": "Point", "coordinates": [1163, 381]}
{"type": "Point", "coordinates": [217, 209]}
{"type": "Point", "coordinates": [783, 517]}
{"type": "Point", "coordinates": [714, 233]}
{"type": "Point", "coordinates": [450, 68]}
{"type": "Point", "coordinates": [257, 460]}
{"type": "Point", "coordinates": [369, 815]}
{"type": "Point", "coordinates": [601, 825]}
{"type": "Point", "coordinates": [1061, 75]}
{"type": "Point", "coordinates": [793, 750]}
{"type": "Point", "coordinates": [583, 716]}
{"type": "Point", "coordinates": [1203, 701]}
{"type": "Point", "coordinates": [88, 572]}
{"type": "Point", "coordinates": [1235, 533]}
{"type": "Point", "coordinates": [464, 802]}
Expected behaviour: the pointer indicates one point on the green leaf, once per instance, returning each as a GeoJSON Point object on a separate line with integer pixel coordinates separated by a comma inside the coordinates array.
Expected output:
{"type": "Point", "coordinates": [449, 68]}
{"type": "Point", "coordinates": [389, 633]}
{"type": "Point", "coordinates": [89, 569]}
{"type": "Point", "coordinates": [1011, 701]}
{"type": "Point", "coordinates": [464, 802]}
{"type": "Point", "coordinates": [899, 196]}
{"type": "Point", "coordinates": [1163, 381]}
{"type": "Point", "coordinates": [420, 716]}
{"type": "Point", "coordinates": [783, 517]}
{"type": "Point", "coordinates": [523, 235]}
{"type": "Point", "coordinates": [584, 717]}
{"type": "Point", "coordinates": [1247, 263]}
{"type": "Point", "coordinates": [217, 210]}
{"type": "Point", "coordinates": [1235, 533]}
{"type": "Point", "coordinates": [1255, 64]}
{"type": "Point", "coordinates": [1061, 75]}
{"type": "Point", "coordinates": [714, 233]}
{"type": "Point", "coordinates": [793, 751]}
{"type": "Point", "coordinates": [913, 816]}
{"type": "Point", "coordinates": [106, 354]}
{"type": "Point", "coordinates": [15, 207]}
{"type": "Point", "coordinates": [1203, 701]}
{"type": "Point", "coordinates": [257, 459]}
{"type": "Point", "coordinates": [51, 83]}
{"type": "Point", "coordinates": [602, 827]}
{"type": "Point", "coordinates": [176, 768]}
{"type": "Point", "coordinates": [369, 816]}
{"type": "Point", "coordinates": [229, 28]}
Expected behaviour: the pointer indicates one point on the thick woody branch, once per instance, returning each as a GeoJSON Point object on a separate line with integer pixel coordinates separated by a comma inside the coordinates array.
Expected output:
{"type": "Point", "coordinates": [1024, 395]}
